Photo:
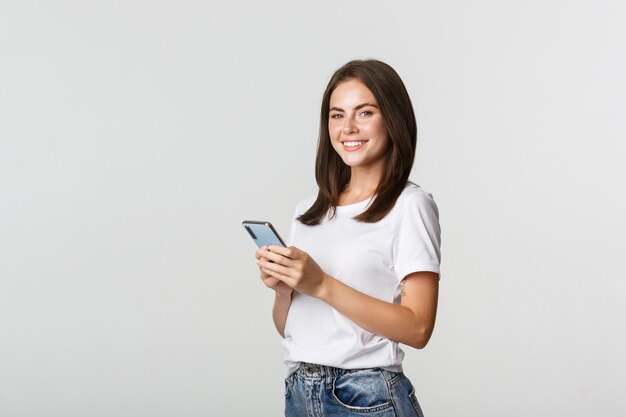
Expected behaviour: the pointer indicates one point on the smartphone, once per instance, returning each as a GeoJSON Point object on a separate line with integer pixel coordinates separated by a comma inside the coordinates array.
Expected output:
{"type": "Point", "coordinates": [263, 233]}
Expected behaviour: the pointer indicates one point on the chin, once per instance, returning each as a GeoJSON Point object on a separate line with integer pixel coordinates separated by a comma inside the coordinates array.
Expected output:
{"type": "Point", "coordinates": [351, 162]}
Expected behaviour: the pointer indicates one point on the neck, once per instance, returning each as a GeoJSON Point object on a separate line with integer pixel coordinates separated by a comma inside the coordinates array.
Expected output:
{"type": "Point", "coordinates": [364, 180]}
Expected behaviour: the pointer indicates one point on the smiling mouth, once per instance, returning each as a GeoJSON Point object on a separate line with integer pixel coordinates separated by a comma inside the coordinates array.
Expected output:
{"type": "Point", "coordinates": [353, 144]}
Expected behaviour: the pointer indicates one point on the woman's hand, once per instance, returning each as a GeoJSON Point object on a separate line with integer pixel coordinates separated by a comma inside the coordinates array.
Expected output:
{"type": "Point", "coordinates": [271, 282]}
{"type": "Point", "coordinates": [411, 322]}
{"type": "Point", "coordinates": [294, 268]}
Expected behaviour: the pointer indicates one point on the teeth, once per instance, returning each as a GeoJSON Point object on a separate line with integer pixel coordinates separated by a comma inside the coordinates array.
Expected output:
{"type": "Point", "coordinates": [355, 143]}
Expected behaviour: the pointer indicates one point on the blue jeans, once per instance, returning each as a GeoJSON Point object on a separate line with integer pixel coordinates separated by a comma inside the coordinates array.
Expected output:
{"type": "Point", "coordinates": [324, 391]}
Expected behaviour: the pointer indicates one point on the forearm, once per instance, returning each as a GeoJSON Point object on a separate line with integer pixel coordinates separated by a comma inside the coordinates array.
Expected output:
{"type": "Point", "coordinates": [410, 322]}
{"type": "Point", "coordinates": [393, 321]}
{"type": "Point", "coordinates": [280, 311]}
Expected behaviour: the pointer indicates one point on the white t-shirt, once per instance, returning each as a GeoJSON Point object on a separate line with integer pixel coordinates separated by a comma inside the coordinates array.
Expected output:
{"type": "Point", "coordinates": [370, 257]}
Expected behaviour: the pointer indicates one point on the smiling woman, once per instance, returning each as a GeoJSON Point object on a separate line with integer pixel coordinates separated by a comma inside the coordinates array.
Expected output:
{"type": "Point", "coordinates": [362, 273]}
{"type": "Point", "coordinates": [358, 133]}
{"type": "Point", "coordinates": [364, 100]}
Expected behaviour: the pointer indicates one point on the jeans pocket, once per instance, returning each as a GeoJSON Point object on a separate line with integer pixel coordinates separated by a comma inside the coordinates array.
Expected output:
{"type": "Point", "coordinates": [364, 390]}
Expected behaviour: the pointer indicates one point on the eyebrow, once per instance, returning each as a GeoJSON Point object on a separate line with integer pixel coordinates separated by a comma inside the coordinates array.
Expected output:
{"type": "Point", "coordinates": [359, 107]}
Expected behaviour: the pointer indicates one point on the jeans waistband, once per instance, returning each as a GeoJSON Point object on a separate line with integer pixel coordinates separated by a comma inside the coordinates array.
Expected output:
{"type": "Point", "coordinates": [312, 370]}
{"type": "Point", "coordinates": [315, 371]}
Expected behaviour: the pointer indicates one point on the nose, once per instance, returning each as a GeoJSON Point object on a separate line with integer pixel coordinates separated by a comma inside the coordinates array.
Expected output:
{"type": "Point", "coordinates": [350, 126]}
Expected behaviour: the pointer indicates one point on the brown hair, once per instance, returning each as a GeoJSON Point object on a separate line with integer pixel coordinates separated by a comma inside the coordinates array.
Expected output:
{"type": "Point", "coordinates": [332, 174]}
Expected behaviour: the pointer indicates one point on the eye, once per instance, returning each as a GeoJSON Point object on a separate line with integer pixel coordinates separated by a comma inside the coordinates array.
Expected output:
{"type": "Point", "coordinates": [336, 116]}
{"type": "Point", "coordinates": [366, 113]}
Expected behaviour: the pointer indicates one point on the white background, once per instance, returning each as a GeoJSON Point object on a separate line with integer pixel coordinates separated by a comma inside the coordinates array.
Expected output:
{"type": "Point", "coordinates": [136, 136]}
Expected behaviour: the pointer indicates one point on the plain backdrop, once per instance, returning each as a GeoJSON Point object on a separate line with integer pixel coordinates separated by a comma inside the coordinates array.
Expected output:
{"type": "Point", "coordinates": [135, 136]}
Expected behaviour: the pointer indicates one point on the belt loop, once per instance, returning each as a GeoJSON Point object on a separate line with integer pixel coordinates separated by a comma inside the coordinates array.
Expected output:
{"type": "Point", "coordinates": [330, 376]}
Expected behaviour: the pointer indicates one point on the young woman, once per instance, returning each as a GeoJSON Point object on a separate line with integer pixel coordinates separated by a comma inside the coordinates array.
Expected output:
{"type": "Point", "coordinates": [362, 274]}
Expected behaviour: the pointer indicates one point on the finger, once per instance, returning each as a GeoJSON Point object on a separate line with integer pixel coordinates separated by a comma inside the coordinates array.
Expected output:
{"type": "Point", "coordinates": [276, 267]}
{"type": "Point", "coordinates": [259, 252]}
{"type": "Point", "coordinates": [278, 276]}
{"type": "Point", "coordinates": [278, 258]}
{"type": "Point", "coordinates": [263, 273]}
{"type": "Point", "coordinates": [290, 252]}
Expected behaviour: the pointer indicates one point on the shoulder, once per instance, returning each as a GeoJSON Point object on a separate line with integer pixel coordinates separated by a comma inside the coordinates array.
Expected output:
{"type": "Point", "coordinates": [417, 215]}
{"type": "Point", "coordinates": [415, 206]}
{"type": "Point", "coordinates": [304, 204]}
{"type": "Point", "coordinates": [415, 196]}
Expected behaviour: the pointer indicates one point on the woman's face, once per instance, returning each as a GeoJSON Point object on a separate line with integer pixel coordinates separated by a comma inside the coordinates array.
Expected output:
{"type": "Point", "coordinates": [356, 126]}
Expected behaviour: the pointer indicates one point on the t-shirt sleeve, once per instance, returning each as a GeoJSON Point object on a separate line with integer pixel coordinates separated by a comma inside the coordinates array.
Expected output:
{"type": "Point", "coordinates": [294, 224]}
{"type": "Point", "coordinates": [417, 238]}
{"type": "Point", "coordinates": [292, 229]}
{"type": "Point", "coordinates": [301, 208]}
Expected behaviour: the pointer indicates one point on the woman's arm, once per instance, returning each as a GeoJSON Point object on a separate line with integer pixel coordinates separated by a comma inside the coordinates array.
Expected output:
{"type": "Point", "coordinates": [282, 301]}
{"type": "Point", "coordinates": [279, 312]}
{"type": "Point", "coordinates": [411, 322]}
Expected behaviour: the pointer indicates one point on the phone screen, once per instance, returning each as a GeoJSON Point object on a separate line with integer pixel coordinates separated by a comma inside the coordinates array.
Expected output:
{"type": "Point", "coordinates": [263, 233]}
